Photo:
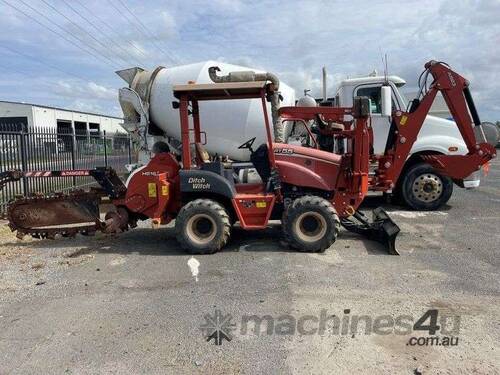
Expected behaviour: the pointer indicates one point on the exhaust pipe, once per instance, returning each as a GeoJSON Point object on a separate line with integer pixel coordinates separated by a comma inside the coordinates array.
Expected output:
{"type": "Point", "coordinates": [251, 76]}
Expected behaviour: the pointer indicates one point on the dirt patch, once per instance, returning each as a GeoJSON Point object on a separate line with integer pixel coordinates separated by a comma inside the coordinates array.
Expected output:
{"type": "Point", "coordinates": [5, 232]}
{"type": "Point", "coordinates": [38, 265]}
{"type": "Point", "coordinates": [73, 253]}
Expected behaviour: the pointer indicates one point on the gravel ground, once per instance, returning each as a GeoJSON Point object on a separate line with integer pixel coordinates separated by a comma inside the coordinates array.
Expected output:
{"type": "Point", "coordinates": [130, 304]}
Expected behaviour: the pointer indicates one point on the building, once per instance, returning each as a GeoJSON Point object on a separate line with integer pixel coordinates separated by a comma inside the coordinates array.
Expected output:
{"type": "Point", "coordinates": [438, 108]}
{"type": "Point", "coordinates": [23, 116]}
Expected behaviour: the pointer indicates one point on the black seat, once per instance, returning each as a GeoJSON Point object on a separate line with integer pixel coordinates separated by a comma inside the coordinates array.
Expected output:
{"type": "Point", "coordinates": [202, 155]}
{"type": "Point", "coordinates": [260, 160]}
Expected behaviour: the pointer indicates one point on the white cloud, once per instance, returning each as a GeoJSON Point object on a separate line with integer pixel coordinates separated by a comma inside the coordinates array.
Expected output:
{"type": "Point", "coordinates": [227, 5]}
{"type": "Point", "coordinates": [101, 92]}
{"type": "Point", "coordinates": [94, 107]}
{"type": "Point", "coordinates": [90, 90]}
{"type": "Point", "coordinates": [293, 40]}
{"type": "Point", "coordinates": [466, 35]}
{"type": "Point", "coordinates": [307, 80]}
{"type": "Point", "coordinates": [168, 24]}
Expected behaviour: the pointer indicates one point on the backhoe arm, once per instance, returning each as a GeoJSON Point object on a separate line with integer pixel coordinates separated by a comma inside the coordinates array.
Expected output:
{"type": "Point", "coordinates": [407, 125]}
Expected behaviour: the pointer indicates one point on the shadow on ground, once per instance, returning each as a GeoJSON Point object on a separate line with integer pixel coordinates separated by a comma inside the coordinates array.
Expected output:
{"type": "Point", "coordinates": [372, 202]}
{"type": "Point", "coordinates": [147, 241]}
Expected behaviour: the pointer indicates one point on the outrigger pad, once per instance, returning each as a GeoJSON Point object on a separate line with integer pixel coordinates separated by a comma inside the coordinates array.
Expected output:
{"type": "Point", "coordinates": [381, 229]}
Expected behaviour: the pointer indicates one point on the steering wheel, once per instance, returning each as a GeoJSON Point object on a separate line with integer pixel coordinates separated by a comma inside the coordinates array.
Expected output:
{"type": "Point", "coordinates": [247, 145]}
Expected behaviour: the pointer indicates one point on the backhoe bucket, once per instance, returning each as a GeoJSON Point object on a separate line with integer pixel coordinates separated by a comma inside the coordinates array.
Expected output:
{"type": "Point", "coordinates": [381, 228]}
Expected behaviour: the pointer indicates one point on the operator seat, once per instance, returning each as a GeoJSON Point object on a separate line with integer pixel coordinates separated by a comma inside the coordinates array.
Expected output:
{"type": "Point", "coordinates": [202, 155]}
{"type": "Point", "coordinates": [225, 169]}
{"type": "Point", "coordinates": [325, 131]}
{"type": "Point", "coordinates": [260, 160]}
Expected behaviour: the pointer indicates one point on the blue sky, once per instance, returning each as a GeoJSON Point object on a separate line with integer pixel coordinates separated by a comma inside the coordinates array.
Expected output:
{"type": "Point", "coordinates": [75, 67]}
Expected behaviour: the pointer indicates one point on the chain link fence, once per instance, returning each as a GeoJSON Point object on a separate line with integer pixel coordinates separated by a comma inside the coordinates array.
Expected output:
{"type": "Point", "coordinates": [44, 149]}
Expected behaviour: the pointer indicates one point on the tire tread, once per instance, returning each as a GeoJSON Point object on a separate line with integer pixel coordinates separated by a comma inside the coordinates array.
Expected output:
{"type": "Point", "coordinates": [211, 205]}
{"type": "Point", "coordinates": [413, 203]}
{"type": "Point", "coordinates": [310, 200]}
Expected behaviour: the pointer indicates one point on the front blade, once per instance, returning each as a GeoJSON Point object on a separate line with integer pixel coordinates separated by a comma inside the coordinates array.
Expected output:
{"type": "Point", "coordinates": [381, 228]}
{"type": "Point", "coordinates": [385, 230]}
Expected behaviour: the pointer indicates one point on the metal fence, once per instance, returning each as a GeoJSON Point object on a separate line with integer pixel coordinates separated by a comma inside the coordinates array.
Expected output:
{"type": "Point", "coordinates": [37, 149]}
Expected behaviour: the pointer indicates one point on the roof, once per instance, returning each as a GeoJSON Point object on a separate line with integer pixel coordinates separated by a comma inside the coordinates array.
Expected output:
{"type": "Point", "coordinates": [398, 81]}
{"type": "Point", "coordinates": [229, 90]}
{"type": "Point", "coordinates": [61, 109]}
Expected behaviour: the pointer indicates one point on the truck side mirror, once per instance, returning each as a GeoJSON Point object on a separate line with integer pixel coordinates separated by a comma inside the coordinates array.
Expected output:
{"type": "Point", "coordinates": [386, 101]}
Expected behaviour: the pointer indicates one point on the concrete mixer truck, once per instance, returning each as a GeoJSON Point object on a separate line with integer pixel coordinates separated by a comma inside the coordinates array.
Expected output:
{"type": "Point", "coordinates": [150, 117]}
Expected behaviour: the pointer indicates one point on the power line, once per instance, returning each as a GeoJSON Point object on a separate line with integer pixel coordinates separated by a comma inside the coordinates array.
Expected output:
{"type": "Point", "coordinates": [9, 68]}
{"type": "Point", "coordinates": [127, 18]}
{"type": "Point", "coordinates": [54, 31]}
{"type": "Point", "coordinates": [169, 55]}
{"type": "Point", "coordinates": [68, 32]}
{"type": "Point", "coordinates": [37, 60]}
{"type": "Point", "coordinates": [48, 82]}
{"type": "Point", "coordinates": [148, 37]}
{"type": "Point", "coordinates": [110, 28]}
{"type": "Point", "coordinates": [117, 45]}
{"type": "Point", "coordinates": [79, 27]}
{"type": "Point", "coordinates": [35, 76]}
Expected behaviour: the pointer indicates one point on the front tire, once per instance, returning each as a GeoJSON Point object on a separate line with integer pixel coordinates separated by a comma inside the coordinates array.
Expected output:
{"type": "Point", "coordinates": [423, 189]}
{"type": "Point", "coordinates": [202, 226]}
{"type": "Point", "coordinates": [310, 224]}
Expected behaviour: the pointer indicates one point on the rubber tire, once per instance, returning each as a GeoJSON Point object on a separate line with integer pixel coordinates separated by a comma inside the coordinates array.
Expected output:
{"type": "Point", "coordinates": [306, 204]}
{"type": "Point", "coordinates": [208, 207]}
{"type": "Point", "coordinates": [406, 190]}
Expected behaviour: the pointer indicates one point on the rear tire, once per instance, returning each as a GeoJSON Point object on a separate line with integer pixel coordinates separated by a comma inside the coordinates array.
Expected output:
{"type": "Point", "coordinates": [423, 189]}
{"type": "Point", "coordinates": [310, 224]}
{"type": "Point", "coordinates": [202, 227]}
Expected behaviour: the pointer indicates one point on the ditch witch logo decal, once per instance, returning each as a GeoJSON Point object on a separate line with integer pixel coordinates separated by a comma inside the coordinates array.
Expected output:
{"type": "Point", "coordinates": [218, 327]}
{"type": "Point", "coordinates": [198, 183]}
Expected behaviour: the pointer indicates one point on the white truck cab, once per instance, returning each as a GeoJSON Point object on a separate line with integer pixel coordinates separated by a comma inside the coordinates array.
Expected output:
{"type": "Point", "coordinates": [419, 186]}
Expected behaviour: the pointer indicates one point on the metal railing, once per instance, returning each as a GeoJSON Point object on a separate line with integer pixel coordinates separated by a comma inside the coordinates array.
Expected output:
{"type": "Point", "coordinates": [38, 149]}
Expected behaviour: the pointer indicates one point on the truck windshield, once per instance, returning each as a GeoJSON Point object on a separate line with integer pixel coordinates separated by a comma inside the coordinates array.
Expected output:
{"type": "Point", "coordinates": [404, 99]}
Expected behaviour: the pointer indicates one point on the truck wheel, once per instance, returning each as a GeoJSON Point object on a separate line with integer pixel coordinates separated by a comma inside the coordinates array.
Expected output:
{"type": "Point", "coordinates": [202, 226]}
{"type": "Point", "coordinates": [423, 189]}
{"type": "Point", "coordinates": [310, 224]}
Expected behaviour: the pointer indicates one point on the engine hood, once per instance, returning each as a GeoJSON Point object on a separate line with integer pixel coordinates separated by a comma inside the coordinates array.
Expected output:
{"type": "Point", "coordinates": [440, 122]}
{"type": "Point", "coordinates": [438, 134]}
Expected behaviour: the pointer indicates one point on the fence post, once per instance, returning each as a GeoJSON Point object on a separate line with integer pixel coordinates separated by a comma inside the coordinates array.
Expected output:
{"type": "Point", "coordinates": [24, 159]}
{"type": "Point", "coordinates": [105, 149]}
{"type": "Point", "coordinates": [73, 152]}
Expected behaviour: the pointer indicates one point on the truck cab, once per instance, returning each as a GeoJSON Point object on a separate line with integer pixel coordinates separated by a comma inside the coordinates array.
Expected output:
{"type": "Point", "coordinates": [437, 136]}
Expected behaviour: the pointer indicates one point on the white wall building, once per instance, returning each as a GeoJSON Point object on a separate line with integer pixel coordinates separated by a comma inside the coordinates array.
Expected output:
{"type": "Point", "coordinates": [25, 115]}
